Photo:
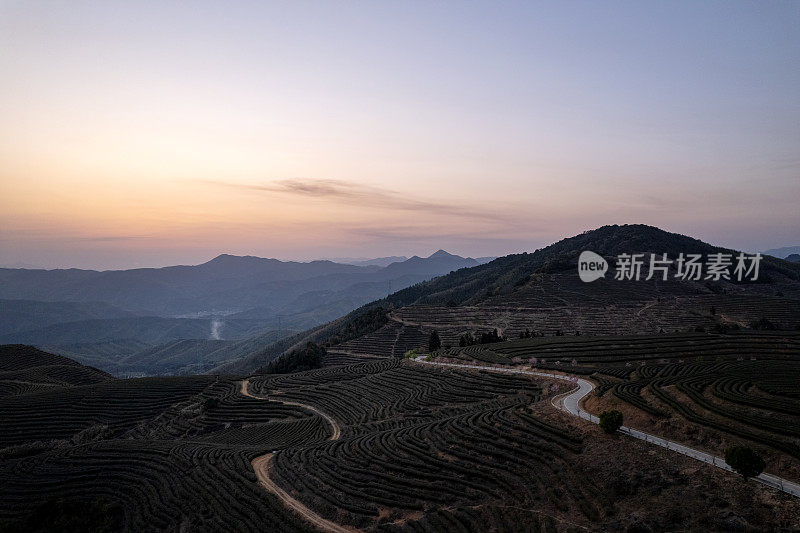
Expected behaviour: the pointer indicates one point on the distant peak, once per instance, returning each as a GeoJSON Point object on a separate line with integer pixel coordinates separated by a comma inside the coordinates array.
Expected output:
{"type": "Point", "coordinates": [229, 259]}
{"type": "Point", "coordinates": [226, 258]}
{"type": "Point", "coordinates": [440, 253]}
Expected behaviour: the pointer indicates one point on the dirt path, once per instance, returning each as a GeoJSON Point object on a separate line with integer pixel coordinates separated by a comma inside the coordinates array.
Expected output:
{"type": "Point", "coordinates": [337, 431]}
{"type": "Point", "coordinates": [396, 338]}
{"type": "Point", "coordinates": [261, 468]}
{"type": "Point", "coordinates": [402, 321]}
{"type": "Point", "coordinates": [647, 306]}
{"type": "Point", "coordinates": [571, 403]}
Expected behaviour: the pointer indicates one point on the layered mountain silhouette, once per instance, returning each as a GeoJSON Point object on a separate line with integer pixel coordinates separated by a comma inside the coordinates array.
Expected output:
{"type": "Point", "coordinates": [105, 317]}
{"type": "Point", "coordinates": [785, 252]}
{"type": "Point", "coordinates": [378, 261]}
{"type": "Point", "coordinates": [234, 314]}
{"type": "Point", "coordinates": [224, 285]}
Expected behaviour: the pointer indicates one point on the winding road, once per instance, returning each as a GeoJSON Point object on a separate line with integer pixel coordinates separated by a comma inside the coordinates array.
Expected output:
{"type": "Point", "coordinates": [261, 467]}
{"type": "Point", "coordinates": [570, 402]}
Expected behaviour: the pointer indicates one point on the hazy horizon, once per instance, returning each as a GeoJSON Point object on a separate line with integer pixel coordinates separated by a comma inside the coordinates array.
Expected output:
{"type": "Point", "coordinates": [121, 265]}
{"type": "Point", "coordinates": [140, 134]}
{"type": "Point", "coordinates": [193, 262]}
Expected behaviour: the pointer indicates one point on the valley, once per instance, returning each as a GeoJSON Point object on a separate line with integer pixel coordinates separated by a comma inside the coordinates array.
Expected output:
{"type": "Point", "coordinates": [191, 319]}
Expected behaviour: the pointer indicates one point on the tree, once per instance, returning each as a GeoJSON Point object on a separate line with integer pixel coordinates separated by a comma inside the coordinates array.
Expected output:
{"type": "Point", "coordinates": [298, 360]}
{"type": "Point", "coordinates": [490, 337]}
{"type": "Point", "coordinates": [466, 340]}
{"type": "Point", "coordinates": [434, 342]}
{"type": "Point", "coordinates": [611, 421]}
{"type": "Point", "coordinates": [745, 461]}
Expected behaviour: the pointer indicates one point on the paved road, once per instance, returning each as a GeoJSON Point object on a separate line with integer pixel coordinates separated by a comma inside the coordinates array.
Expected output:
{"type": "Point", "coordinates": [261, 467]}
{"type": "Point", "coordinates": [571, 401]}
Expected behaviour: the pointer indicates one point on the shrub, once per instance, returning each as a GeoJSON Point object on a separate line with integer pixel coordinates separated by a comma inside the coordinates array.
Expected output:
{"type": "Point", "coordinates": [744, 461]}
{"type": "Point", "coordinates": [210, 403]}
{"type": "Point", "coordinates": [434, 342]}
{"type": "Point", "coordinates": [412, 353]}
{"type": "Point", "coordinates": [610, 421]}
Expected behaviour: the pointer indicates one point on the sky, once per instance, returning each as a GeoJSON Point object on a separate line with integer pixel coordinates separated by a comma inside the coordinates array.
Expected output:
{"type": "Point", "coordinates": [157, 133]}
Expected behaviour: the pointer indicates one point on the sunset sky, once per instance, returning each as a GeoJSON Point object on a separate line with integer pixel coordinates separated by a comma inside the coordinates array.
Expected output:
{"type": "Point", "coordinates": [155, 133]}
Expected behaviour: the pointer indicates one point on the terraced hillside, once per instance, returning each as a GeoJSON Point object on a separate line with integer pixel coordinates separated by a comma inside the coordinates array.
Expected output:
{"type": "Point", "coordinates": [613, 315]}
{"type": "Point", "coordinates": [423, 448]}
{"type": "Point", "coordinates": [168, 453]}
{"type": "Point", "coordinates": [392, 340]}
{"type": "Point", "coordinates": [24, 370]}
{"type": "Point", "coordinates": [702, 389]}
{"type": "Point", "coordinates": [416, 448]}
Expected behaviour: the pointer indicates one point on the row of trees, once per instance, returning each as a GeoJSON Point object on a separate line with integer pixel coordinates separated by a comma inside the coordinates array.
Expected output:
{"type": "Point", "coordinates": [483, 337]}
{"type": "Point", "coordinates": [528, 334]}
{"type": "Point", "coordinates": [468, 339]}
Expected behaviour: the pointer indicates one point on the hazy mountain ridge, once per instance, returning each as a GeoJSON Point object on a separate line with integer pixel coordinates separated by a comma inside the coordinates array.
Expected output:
{"type": "Point", "coordinates": [230, 297]}
{"type": "Point", "coordinates": [470, 286]}
{"type": "Point", "coordinates": [784, 252]}
{"type": "Point", "coordinates": [223, 285]}
{"type": "Point", "coordinates": [378, 261]}
{"type": "Point", "coordinates": [23, 315]}
{"type": "Point", "coordinates": [544, 279]}
{"type": "Point", "coordinates": [533, 284]}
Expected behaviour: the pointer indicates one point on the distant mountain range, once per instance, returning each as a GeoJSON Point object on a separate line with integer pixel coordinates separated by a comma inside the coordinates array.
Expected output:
{"type": "Point", "coordinates": [234, 314]}
{"type": "Point", "coordinates": [20, 264]}
{"type": "Point", "coordinates": [783, 253]}
{"type": "Point", "coordinates": [386, 261]}
{"type": "Point", "coordinates": [223, 286]}
{"type": "Point", "coordinates": [113, 315]}
{"type": "Point", "coordinates": [378, 261]}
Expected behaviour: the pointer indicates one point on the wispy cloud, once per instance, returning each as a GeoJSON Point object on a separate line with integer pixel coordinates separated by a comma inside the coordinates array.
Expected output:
{"type": "Point", "coordinates": [109, 238]}
{"type": "Point", "coordinates": [363, 195]}
{"type": "Point", "coordinates": [412, 237]}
